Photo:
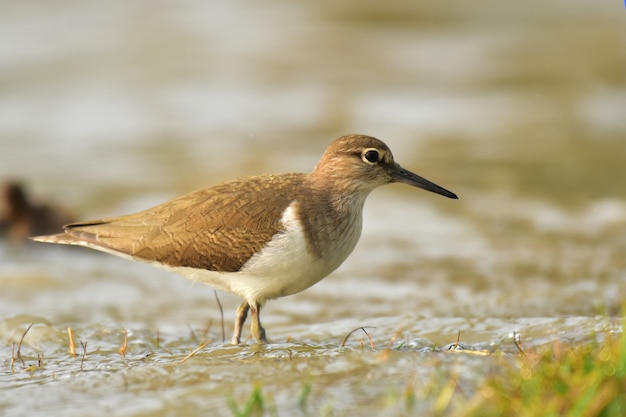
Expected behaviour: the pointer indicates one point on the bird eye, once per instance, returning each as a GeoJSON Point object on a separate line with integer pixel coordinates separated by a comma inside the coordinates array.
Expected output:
{"type": "Point", "coordinates": [371, 156]}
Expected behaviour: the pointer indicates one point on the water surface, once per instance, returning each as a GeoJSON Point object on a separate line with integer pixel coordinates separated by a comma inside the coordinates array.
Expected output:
{"type": "Point", "coordinates": [108, 108]}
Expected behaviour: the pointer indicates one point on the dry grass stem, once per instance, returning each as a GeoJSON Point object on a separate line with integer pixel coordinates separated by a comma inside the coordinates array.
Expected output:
{"type": "Point", "coordinates": [12, 357]}
{"type": "Point", "coordinates": [364, 331]}
{"type": "Point", "coordinates": [193, 333]}
{"type": "Point", "coordinates": [82, 359]}
{"type": "Point", "coordinates": [456, 344]}
{"type": "Point", "coordinates": [196, 350]}
{"type": "Point", "coordinates": [71, 337]}
{"type": "Point", "coordinates": [518, 343]}
{"type": "Point", "coordinates": [19, 345]}
{"type": "Point", "coordinates": [395, 336]}
{"type": "Point", "coordinates": [219, 304]}
{"type": "Point", "coordinates": [205, 333]}
{"type": "Point", "coordinates": [125, 344]}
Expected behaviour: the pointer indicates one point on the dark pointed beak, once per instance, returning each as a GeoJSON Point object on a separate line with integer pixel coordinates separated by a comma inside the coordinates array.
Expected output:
{"type": "Point", "coordinates": [400, 174]}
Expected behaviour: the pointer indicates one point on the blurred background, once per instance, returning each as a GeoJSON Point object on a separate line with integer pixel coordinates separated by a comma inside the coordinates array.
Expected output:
{"type": "Point", "coordinates": [520, 108]}
{"type": "Point", "coordinates": [108, 107]}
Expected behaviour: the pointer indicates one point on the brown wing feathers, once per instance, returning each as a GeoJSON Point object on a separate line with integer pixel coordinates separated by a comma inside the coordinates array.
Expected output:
{"type": "Point", "coordinates": [217, 228]}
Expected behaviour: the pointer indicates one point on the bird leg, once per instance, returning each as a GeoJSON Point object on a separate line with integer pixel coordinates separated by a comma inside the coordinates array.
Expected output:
{"type": "Point", "coordinates": [258, 332]}
{"type": "Point", "coordinates": [242, 314]}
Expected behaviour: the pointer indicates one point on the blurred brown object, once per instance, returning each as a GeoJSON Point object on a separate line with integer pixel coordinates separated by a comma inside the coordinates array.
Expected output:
{"type": "Point", "coordinates": [20, 217]}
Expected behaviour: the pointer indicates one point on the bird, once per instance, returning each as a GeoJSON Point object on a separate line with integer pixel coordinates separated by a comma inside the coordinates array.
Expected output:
{"type": "Point", "coordinates": [260, 237]}
{"type": "Point", "coordinates": [21, 217]}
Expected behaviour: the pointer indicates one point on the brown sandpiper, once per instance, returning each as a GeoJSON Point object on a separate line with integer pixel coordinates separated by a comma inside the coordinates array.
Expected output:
{"type": "Point", "coordinates": [260, 237]}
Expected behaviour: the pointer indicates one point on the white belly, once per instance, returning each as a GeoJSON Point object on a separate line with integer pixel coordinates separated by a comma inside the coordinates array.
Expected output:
{"type": "Point", "coordinates": [284, 266]}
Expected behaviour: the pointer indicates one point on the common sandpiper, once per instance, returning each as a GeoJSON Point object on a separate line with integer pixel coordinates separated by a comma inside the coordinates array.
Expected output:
{"type": "Point", "coordinates": [260, 237]}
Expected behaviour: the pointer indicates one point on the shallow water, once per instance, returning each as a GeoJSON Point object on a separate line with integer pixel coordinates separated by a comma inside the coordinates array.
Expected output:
{"type": "Point", "coordinates": [109, 108]}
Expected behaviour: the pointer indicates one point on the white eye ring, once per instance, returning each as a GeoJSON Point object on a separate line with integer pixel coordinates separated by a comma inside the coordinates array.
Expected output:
{"type": "Point", "coordinates": [371, 156]}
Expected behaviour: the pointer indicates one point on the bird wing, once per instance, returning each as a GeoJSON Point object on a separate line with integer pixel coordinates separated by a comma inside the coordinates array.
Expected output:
{"type": "Point", "coordinates": [217, 228]}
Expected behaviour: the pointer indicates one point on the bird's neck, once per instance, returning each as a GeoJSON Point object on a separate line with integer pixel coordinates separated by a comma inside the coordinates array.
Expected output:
{"type": "Point", "coordinates": [332, 220]}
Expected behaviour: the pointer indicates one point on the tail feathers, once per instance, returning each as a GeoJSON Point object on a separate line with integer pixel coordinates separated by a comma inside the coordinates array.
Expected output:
{"type": "Point", "coordinates": [67, 239]}
{"type": "Point", "coordinates": [61, 238]}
